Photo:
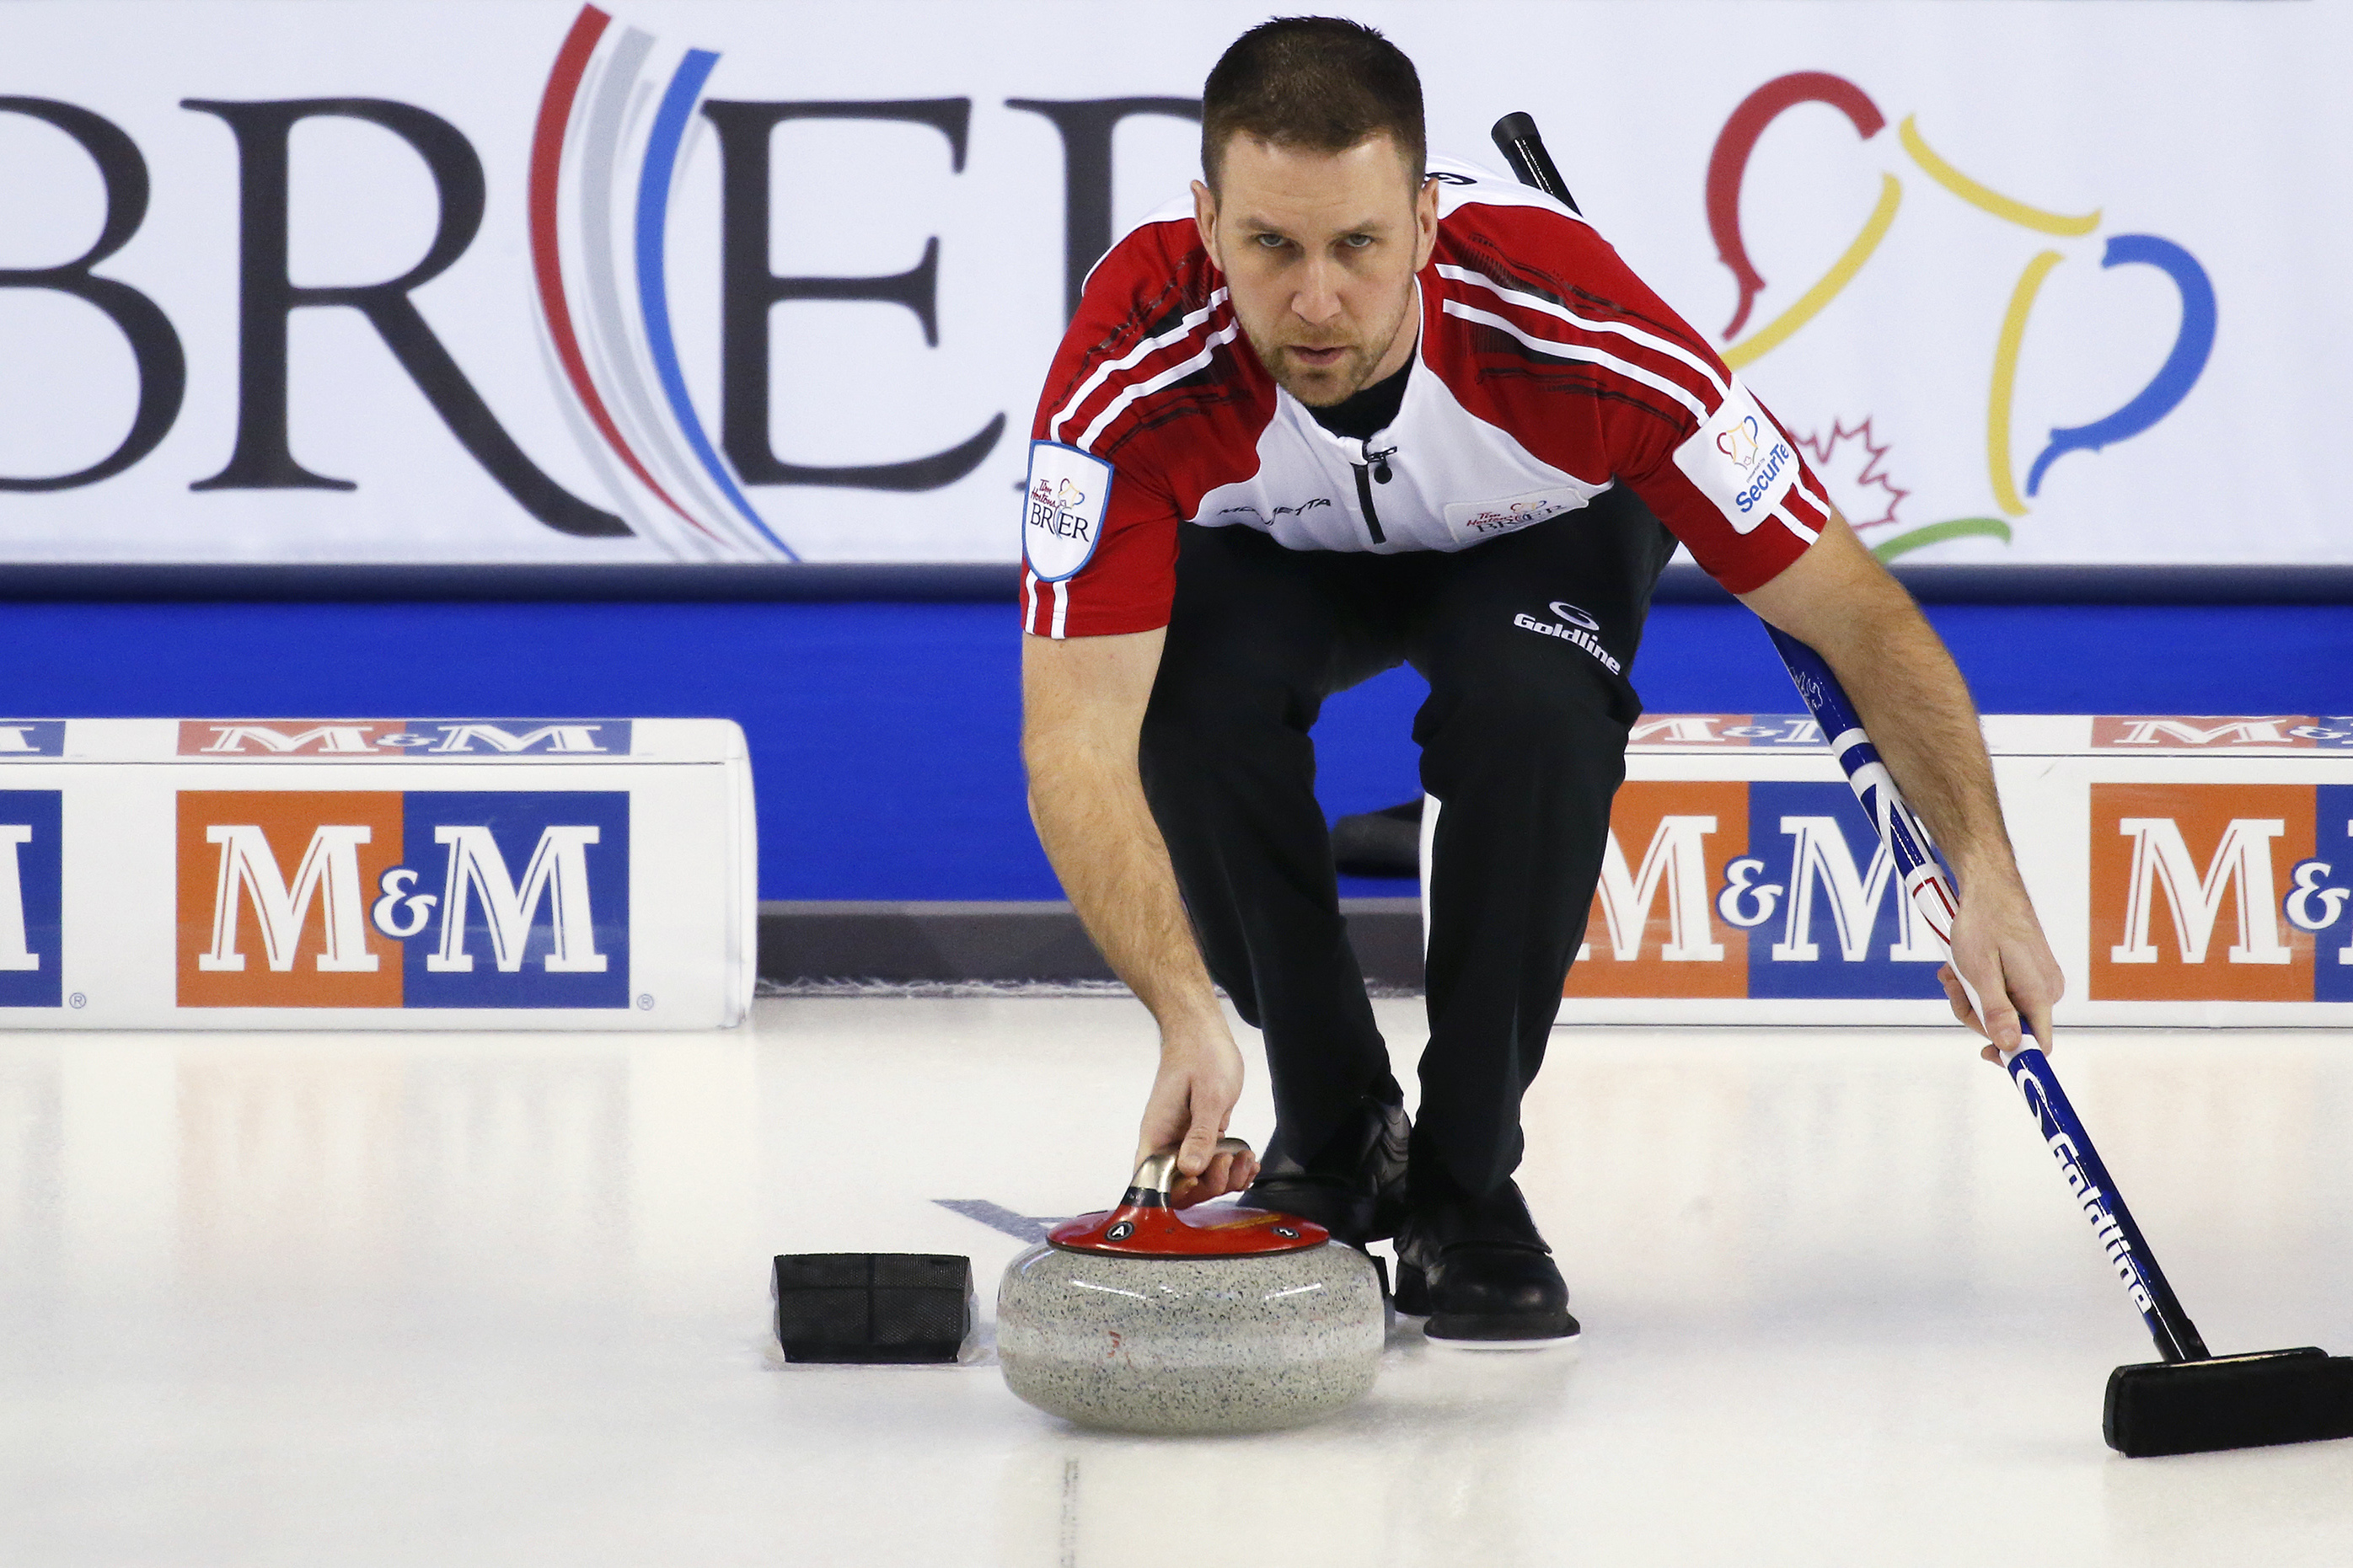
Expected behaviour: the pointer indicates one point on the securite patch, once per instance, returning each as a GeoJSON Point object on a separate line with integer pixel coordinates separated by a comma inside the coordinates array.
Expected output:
{"type": "Point", "coordinates": [1740, 461]}
{"type": "Point", "coordinates": [1062, 511]}
{"type": "Point", "coordinates": [1486, 519]}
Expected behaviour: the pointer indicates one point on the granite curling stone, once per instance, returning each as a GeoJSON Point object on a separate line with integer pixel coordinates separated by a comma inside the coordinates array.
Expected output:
{"type": "Point", "coordinates": [1149, 1318]}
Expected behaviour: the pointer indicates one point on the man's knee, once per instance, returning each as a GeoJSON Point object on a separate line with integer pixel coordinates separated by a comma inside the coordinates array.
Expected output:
{"type": "Point", "coordinates": [1527, 723]}
{"type": "Point", "coordinates": [1208, 710]}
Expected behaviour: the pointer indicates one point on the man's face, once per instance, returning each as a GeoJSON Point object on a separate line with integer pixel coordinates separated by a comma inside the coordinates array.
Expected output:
{"type": "Point", "coordinates": [1319, 250]}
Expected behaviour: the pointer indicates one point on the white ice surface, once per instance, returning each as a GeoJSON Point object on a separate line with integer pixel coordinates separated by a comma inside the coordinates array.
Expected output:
{"type": "Point", "coordinates": [355, 1301]}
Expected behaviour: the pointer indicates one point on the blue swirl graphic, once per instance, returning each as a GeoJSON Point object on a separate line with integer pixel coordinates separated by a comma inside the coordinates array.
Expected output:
{"type": "Point", "coordinates": [653, 288]}
{"type": "Point", "coordinates": [2191, 348]}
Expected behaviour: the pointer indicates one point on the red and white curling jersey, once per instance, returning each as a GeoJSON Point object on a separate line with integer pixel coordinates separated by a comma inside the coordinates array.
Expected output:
{"type": "Point", "coordinates": [1545, 373]}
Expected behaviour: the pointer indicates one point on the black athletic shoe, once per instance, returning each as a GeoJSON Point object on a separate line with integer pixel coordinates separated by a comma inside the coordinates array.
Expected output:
{"type": "Point", "coordinates": [1480, 1272]}
{"type": "Point", "coordinates": [1355, 1185]}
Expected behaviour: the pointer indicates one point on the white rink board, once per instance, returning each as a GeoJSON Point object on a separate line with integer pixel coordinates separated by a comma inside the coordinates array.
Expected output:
{"type": "Point", "coordinates": [606, 891]}
{"type": "Point", "coordinates": [2188, 871]}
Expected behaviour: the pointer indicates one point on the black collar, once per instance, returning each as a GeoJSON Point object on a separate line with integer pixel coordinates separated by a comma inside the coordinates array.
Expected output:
{"type": "Point", "coordinates": [1363, 414]}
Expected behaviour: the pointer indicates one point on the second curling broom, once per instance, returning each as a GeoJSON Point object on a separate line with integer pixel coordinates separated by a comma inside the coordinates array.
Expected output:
{"type": "Point", "coordinates": [2191, 1401]}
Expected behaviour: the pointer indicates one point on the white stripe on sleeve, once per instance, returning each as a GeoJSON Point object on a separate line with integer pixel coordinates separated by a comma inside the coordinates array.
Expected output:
{"type": "Point", "coordinates": [1135, 356]}
{"type": "Point", "coordinates": [1552, 349]}
{"type": "Point", "coordinates": [1175, 373]}
{"type": "Point", "coordinates": [1788, 520]}
{"type": "Point", "coordinates": [1544, 307]}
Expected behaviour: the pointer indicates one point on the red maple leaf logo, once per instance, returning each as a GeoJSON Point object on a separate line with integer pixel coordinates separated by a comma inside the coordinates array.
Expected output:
{"type": "Point", "coordinates": [1850, 464]}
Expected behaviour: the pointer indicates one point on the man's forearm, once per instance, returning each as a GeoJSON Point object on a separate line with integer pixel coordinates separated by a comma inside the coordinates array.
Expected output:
{"type": "Point", "coordinates": [1916, 707]}
{"type": "Point", "coordinates": [1906, 690]}
{"type": "Point", "coordinates": [1842, 603]}
{"type": "Point", "coordinates": [1092, 818]}
{"type": "Point", "coordinates": [1082, 715]}
{"type": "Point", "coordinates": [1082, 705]}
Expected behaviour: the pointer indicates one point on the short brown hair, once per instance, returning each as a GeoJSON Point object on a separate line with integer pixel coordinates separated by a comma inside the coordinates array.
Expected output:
{"type": "Point", "coordinates": [1316, 82]}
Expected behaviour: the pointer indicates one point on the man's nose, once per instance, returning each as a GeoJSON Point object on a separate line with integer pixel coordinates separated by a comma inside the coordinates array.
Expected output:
{"type": "Point", "coordinates": [1317, 301]}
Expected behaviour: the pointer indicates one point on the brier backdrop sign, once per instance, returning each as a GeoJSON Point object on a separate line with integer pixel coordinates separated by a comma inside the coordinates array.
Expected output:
{"type": "Point", "coordinates": [386, 282]}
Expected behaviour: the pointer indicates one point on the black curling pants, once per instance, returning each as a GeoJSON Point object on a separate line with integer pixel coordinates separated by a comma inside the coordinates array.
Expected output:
{"type": "Point", "coordinates": [1523, 745]}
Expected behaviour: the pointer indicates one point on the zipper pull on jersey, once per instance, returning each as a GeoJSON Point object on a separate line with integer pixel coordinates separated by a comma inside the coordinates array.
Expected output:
{"type": "Point", "coordinates": [1364, 497]}
{"type": "Point", "coordinates": [1378, 461]}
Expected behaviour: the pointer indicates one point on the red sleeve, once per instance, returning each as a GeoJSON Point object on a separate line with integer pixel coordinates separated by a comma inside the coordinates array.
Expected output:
{"type": "Point", "coordinates": [1736, 490]}
{"type": "Point", "coordinates": [1650, 393]}
{"type": "Point", "coordinates": [1128, 580]}
{"type": "Point", "coordinates": [1100, 517]}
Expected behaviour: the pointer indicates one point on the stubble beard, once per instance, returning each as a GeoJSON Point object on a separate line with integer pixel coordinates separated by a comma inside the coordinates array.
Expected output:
{"type": "Point", "coordinates": [1323, 387]}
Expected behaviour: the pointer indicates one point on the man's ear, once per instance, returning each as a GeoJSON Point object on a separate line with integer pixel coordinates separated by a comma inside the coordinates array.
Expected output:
{"type": "Point", "coordinates": [1205, 218]}
{"type": "Point", "coordinates": [1425, 223]}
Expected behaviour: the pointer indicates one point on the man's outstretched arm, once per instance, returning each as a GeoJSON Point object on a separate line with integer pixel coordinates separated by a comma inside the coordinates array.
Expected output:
{"type": "Point", "coordinates": [1082, 701]}
{"type": "Point", "coordinates": [1839, 601]}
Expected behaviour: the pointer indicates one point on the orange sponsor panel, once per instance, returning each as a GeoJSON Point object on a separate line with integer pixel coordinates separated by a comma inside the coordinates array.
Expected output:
{"type": "Point", "coordinates": [1654, 930]}
{"type": "Point", "coordinates": [2188, 881]}
{"type": "Point", "coordinates": [281, 737]}
{"type": "Point", "coordinates": [274, 889]}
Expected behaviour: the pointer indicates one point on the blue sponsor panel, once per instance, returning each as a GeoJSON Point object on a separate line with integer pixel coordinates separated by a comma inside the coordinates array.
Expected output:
{"type": "Point", "coordinates": [2336, 732]}
{"type": "Point", "coordinates": [32, 864]}
{"type": "Point", "coordinates": [2330, 919]}
{"type": "Point", "coordinates": [1823, 903]}
{"type": "Point", "coordinates": [32, 738]}
{"type": "Point", "coordinates": [512, 899]}
{"type": "Point", "coordinates": [1777, 729]}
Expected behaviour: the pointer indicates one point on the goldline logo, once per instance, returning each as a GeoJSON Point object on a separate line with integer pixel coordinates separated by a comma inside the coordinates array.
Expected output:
{"type": "Point", "coordinates": [1579, 631]}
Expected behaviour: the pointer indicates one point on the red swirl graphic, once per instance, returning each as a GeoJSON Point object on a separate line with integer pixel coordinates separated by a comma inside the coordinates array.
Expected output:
{"type": "Point", "coordinates": [1728, 164]}
{"type": "Point", "coordinates": [546, 169]}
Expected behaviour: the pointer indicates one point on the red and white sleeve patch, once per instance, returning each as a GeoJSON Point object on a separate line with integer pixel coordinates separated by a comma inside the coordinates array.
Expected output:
{"type": "Point", "coordinates": [1063, 510]}
{"type": "Point", "coordinates": [1742, 463]}
{"type": "Point", "coordinates": [1100, 548]}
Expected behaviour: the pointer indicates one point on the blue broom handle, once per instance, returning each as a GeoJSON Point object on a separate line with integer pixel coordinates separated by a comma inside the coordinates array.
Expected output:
{"type": "Point", "coordinates": [1931, 895]}
{"type": "Point", "coordinates": [2079, 1163]}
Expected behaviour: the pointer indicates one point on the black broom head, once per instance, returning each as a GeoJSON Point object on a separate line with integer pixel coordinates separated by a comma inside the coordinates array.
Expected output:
{"type": "Point", "coordinates": [2229, 1401]}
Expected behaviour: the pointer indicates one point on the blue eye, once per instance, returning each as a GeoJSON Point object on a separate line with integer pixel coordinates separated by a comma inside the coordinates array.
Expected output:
{"type": "Point", "coordinates": [1270, 241]}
